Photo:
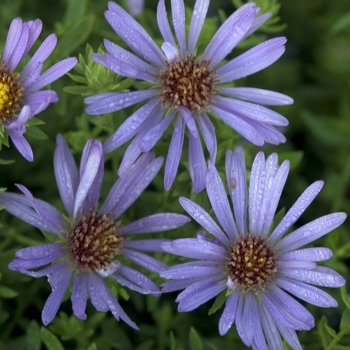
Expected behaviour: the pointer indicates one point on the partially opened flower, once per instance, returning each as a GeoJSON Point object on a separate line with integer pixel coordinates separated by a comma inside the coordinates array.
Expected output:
{"type": "Point", "coordinates": [90, 246]}
{"type": "Point", "coordinates": [19, 95]}
{"type": "Point", "coordinates": [259, 266]}
{"type": "Point", "coordinates": [185, 84]}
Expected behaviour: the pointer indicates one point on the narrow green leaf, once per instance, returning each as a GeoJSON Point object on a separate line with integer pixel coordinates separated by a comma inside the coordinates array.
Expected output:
{"type": "Point", "coordinates": [219, 301]}
{"type": "Point", "coordinates": [7, 293]}
{"type": "Point", "coordinates": [36, 133]}
{"type": "Point", "coordinates": [6, 161]}
{"type": "Point", "coordinates": [33, 341]}
{"type": "Point", "coordinates": [92, 347]}
{"type": "Point", "coordinates": [195, 340]}
{"type": "Point", "coordinates": [345, 296]}
{"type": "Point", "coordinates": [50, 340]}
{"type": "Point", "coordinates": [345, 319]}
{"type": "Point", "coordinates": [294, 158]}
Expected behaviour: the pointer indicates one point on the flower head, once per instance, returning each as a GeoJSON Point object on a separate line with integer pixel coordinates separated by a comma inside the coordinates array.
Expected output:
{"type": "Point", "coordinates": [19, 95]}
{"type": "Point", "coordinates": [90, 246]}
{"type": "Point", "coordinates": [187, 84]}
{"type": "Point", "coordinates": [258, 265]}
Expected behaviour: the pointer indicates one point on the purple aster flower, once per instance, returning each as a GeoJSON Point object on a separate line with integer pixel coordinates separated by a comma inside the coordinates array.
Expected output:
{"type": "Point", "coordinates": [19, 95]}
{"type": "Point", "coordinates": [90, 244]}
{"type": "Point", "coordinates": [186, 84]}
{"type": "Point", "coordinates": [135, 7]}
{"type": "Point", "coordinates": [258, 265]}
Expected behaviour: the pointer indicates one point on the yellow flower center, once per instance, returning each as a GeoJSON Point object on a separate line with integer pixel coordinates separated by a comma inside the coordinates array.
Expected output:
{"type": "Point", "coordinates": [94, 241]}
{"type": "Point", "coordinates": [11, 92]}
{"type": "Point", "coordinates": [187, 83]}
{"type": "Point", "coordinates": [252, 263]}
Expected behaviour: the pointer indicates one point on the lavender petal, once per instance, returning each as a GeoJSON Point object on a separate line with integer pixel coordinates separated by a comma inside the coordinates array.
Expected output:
{"type": "Point", "coordinates": [199, 293]}
{"type": "Point", "coordinates": [306, 292]}
{"type": "Point", "coordinates": [308, 254]}
{"type": "Point", "coordinates": [208, 132]}
{"type": "Point", "coordinates": [229, 34]}
{"type": "Point", "coordinates": [174, 153]}
{"type": "Point", "coordinates": [296, 210]}
{"type": "Point", "coordinates": [79, 295]}
{"type": "Point", "coordinates": [260, 96]}
{"type": "Point", "coordinates": [196, 249]}
{"type": "Point", "coordinates": [203, 219]}
{"type": "Point", "coordinates": [53, 302]}
{"type": "Point", "coordinates": [156, 223]}
{"type": "Point", "coordinates": [135, 280]}
{"type": "Point", "coordinates": [147, 245]}
{"type": "Point", "coordinates": [198, 16]}
{"type": "Point", "coordinates": [196, 163]}
{"type": "Point", "coordinates": [252, 61]}
{"type": "Point", "coordinates": [134, 35]}
{"type": "Point", "coordinates": [145, 261]}
{"type": "Point", "coordinates": [228, 316]}
{"type": "Point", "coordinates": [219, 202]}
{"type": "Point", "coordinates": [310, 232]}
{"type": "Point", "coordinates": [163, 23]}
{"type": "Point", "coordinates": [178, 14]}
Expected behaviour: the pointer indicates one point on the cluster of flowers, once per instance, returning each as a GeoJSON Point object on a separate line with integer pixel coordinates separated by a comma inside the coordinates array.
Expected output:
{"type": "Point", "coordinates": [248, 256]}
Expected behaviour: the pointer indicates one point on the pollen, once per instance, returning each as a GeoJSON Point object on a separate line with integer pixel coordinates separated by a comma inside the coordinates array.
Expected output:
{"type": "Point", "coordinates": [94, 241]}
{"type": "Point", "coordinates": [252, 263]}
{"type": "Point", "coordinates": [187, 83]}
{"type": "Point", "coordinates": [11, 93]}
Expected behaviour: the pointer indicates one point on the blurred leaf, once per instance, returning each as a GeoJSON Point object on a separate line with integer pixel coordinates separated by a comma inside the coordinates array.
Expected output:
{"type": "Point", "coordinates": [345, 319]}
{"type": "Point", "coordinates": [345, 296]}
{"type": "Point", "coordinates": [278, 217]}
{"type": "Point", "coordinates": [75, 10]}
{"type": "Point", "coordinates": [294, 157]}
{"type": "Point", "coordinates": [323, 131]}
{"type": "Point", "coordinates": [324, 335]}
{"type": "Point", "coordinates": [92, 347]}
{"type": "Point", "coordinates": [33, 341]}
{"type": "Point", "coordinates": [341, 24]}
{"type": "Point", "coordinates": [50, 340]}
{"type": "Point", "coordinates": [7, 293]}
{"type": "Point", "coordinates": [195, 340]}
{"type": "Point", "coordinates": [6, 162]}
{"type": "Point", "coordinates": [36, 133]}
{"type": "Point", "coordinates": [219, 301]}
{"type": "Point", "coordinates": [75, 35]}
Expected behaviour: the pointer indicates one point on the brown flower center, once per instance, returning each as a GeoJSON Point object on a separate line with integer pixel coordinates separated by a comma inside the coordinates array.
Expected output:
{"type": "Point", "coordinates": [187, 83]}
{"type": "Point", "coordinates": [94, 241]}
{"type": "Point", "coordinates": [11, 92]}
{"type": "Point", "coordinates": [252, 263]}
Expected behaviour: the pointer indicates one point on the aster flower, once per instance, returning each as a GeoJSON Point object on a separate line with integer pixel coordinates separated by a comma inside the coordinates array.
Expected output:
{"type": "Point", "coordinates": [19, 95]}
{"type": "Point", "coordinates": [186, 84]}
{"type": "Point", "coordinates": [90, 246]}
{"type": "Point", "coordinates": [135, 7]}
{"type": "Point", "coordinates": [258, 265]}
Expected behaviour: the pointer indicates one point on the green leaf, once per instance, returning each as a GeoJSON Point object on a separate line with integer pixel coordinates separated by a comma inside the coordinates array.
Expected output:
{"type": "Point", "coordinates": [324, 131]}
{"type": "Point", "coordinates": [7, 293]}
{"type": "Point", "coordinates": [75, 10]}
{"type": "Point", "coordinates": [325, 337]}
{"type": "Point", "coordinates": [50, 340]}
{"type": "Point", "coordinates": [92, 347]}
{"type": "Point", "coordinates": [36, 133]}
{"type": "Point", "coordinates": [219, 301]}
{"type": "Point", "coordinates": [33, 341]}
{"type": "Point", "coordinates": [278, 217]}
{"type": "Point", "coordinates": [345, 319]}
{"type": "Point", "coordinates": [77, 89]}
{"type": "Point", "coordinates": [345, 296]}
{"type": "Point", "coordinates": [6, 161]}
{"type": "Point", "coordinates": [172, 341]}
{"type": "Point", "coordinates": [294, 157]}
{"type": "Point", "coordinates": [195, 340]}
{"type": "Point", "coordinates": [75, 35]}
